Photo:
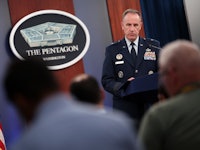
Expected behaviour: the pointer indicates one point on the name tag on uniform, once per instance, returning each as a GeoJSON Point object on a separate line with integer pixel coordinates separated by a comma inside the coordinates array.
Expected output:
{"type": "Point", "coordinates": [119, 62]}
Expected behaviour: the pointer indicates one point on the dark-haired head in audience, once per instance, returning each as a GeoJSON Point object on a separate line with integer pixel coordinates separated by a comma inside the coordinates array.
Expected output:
{"type": "Point", "coordinates": [85, 88]}
{"type": "Point", "coordinates": [27, 83]}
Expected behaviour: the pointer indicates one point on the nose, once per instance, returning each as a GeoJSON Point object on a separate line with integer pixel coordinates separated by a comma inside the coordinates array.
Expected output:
{"type": "Point", "coordinates": [132, 28]}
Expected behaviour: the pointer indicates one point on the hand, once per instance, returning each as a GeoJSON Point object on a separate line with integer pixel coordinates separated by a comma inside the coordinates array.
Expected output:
{"type": "Point", "coordinates": [131, 78]}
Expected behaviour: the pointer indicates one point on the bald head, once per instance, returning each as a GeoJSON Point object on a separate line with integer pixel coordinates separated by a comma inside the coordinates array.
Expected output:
{"type": "Point", "coordinates": [179, 65]}
{"type": "Point", "coordinates": [181, 54]}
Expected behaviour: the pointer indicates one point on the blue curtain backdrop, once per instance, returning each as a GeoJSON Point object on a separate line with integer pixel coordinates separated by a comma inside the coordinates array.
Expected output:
{"type": "Point", "coordinates": [164, 20]}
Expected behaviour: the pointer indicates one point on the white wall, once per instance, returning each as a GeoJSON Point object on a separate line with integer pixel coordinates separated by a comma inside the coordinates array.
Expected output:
{"type": "Point", "coordinates": [193, 15]}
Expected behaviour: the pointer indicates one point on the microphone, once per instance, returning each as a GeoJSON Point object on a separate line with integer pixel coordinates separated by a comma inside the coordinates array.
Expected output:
{"type": "Point", "coordinates": [155, 46]}
{"type": "Point", "coordinates": [150, 41]}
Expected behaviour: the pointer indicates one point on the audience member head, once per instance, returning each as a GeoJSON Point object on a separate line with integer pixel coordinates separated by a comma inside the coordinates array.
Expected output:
{"type": "Point", "coordinates": [179, 65]}
{"type": "Point", "coordinates": [131, 24]}
{"type": "Point", "coordinates": [27, 83]}
{"type": "Point", "coordinates": [85, 88]}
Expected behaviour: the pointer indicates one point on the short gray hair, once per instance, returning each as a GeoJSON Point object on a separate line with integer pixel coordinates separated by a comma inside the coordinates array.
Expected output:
{"type": "Point", "coordinates": [132, 11]}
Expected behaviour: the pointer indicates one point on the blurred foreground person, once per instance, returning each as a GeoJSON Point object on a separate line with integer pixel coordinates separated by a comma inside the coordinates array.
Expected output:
{"type": "Point", "coordinates": [55, 122]}
{"type": "Point", "coordinates": [174, 124]}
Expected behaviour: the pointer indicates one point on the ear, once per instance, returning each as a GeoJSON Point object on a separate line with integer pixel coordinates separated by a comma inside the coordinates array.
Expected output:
{"type": "Point", "coordinates": [173, 75]}
{"type": "Point", "coordinates": [122, 25]}
{"type": "Point", "coordinates": [174, 80]}
{"type": "Point", "coordinates": [141, 24]}
{"type": "Point", "coordinates": [102, 94]}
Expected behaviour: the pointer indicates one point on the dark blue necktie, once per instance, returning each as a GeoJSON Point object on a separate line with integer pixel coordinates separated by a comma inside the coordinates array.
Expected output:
{"type": "Point", "coordinates": [133, 52]}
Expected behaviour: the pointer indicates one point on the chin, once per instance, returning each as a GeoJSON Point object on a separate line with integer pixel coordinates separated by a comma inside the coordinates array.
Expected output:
{"type": "Point", "coordinates": [132, 38]}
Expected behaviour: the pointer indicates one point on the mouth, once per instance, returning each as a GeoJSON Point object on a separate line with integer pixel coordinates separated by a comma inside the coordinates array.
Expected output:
{"type": "Point", "coordinates": [132, 34]}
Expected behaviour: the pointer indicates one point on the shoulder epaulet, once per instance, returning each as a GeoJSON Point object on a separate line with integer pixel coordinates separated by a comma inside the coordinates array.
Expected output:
{"type": "Point", "coordinates": [152, 43]}
{"type": "Point", "coordinates": [113, 43]}
{"type": "Point", "coordinates": [150, 40]}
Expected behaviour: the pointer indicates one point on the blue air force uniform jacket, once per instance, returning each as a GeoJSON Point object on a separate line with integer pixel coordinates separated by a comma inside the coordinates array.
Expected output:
{"type": "Point", "coordinates": [119, 65]}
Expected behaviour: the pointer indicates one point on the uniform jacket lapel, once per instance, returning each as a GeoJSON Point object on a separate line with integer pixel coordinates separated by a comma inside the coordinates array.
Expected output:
{"type": "Point", "coordinates": [141, 51]}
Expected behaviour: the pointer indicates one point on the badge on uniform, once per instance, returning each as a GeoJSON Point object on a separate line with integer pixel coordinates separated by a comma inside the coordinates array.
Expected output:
{"type": "Point", "coordinates": [120, 74]}
{"type": "Point", "coordinates": [150, 72]}
{"type": "Point", "coordinates": [149, 55]}
{"type": "Point", "coordinates": [119, 56]}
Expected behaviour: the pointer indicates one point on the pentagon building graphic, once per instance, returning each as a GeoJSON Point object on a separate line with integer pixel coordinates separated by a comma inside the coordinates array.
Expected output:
{"type": "Point", "coordinates": [49, 34]}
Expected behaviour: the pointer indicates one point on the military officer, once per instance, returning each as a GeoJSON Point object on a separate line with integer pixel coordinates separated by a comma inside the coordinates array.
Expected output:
{"type": "Point", "coordinates": [121, 64]}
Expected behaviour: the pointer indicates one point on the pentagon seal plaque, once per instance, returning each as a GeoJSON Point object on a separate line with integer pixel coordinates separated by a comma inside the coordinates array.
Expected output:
{"type": "Point", "coordinates": [56, 37]}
